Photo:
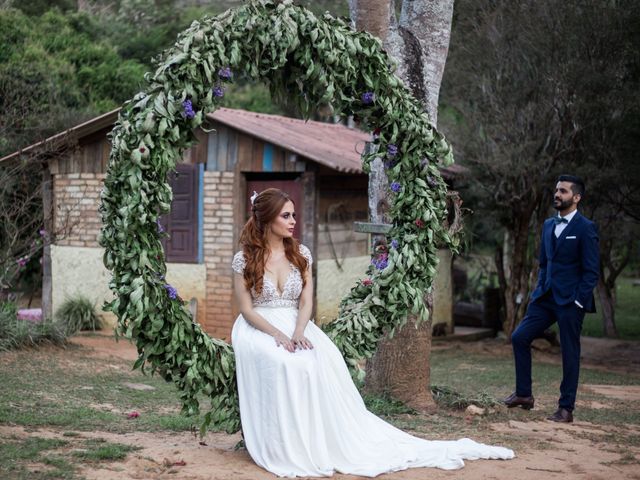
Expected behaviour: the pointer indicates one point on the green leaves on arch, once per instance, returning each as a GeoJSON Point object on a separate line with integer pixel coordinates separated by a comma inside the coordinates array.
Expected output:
{"type": "Point", "coordinates": [312, 62]}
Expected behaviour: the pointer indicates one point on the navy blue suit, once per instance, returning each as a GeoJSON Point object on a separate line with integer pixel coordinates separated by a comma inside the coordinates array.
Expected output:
{"type": "Point", "coordinates": [569, 270]}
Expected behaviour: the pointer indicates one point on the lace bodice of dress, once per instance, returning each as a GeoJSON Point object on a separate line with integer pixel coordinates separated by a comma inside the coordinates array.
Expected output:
{"type": "Point", "coordinates": [270, 296]}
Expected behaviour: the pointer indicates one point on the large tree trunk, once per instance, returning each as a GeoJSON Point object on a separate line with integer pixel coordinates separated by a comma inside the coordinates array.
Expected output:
{"type": "Point", "coordinates": [419, 43]}
{"type": "Point", "coordinates": [611, 266]}
{"type": "Point", "coordinates": [514, 271]}
{"type": "Point", "coordinates": [607, 304]}
{"type": "Point", "coordinates": [401, 367]}
{"type": "Point", "coordinates": [517, 259]}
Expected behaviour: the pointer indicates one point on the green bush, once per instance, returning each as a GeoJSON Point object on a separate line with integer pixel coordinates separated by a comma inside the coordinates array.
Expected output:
{"type": "Point", "coordinates": [15, 333]}
{"type": "Point", "coordinates": [78, 313]}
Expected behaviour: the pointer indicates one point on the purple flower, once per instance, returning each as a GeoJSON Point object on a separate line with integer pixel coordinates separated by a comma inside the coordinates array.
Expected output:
{"type": "Point", "coordinates": [22, 261]}
{"type": "Point", "coordinates": [225, 73]}
{"type": "Point", "coordinates": [390, 163]}
{"type": "Point", "coordinates": [43, 232]}
{"type": "Point", "coordinates": [188, 109]}
{"type": "Point", "coordinates": [218, 92]}
{"type": "Point", "coordinates": [381, 261]}
{"type": "Point", "coordinates": [392, 150]}
{"type": "Point", "coordinates": [396, 187]}
{"type": "Point", "coordinates": [424, 162]}
{"type": "Point", "coordinates": [368, 98]}
{"type": "Point", "coordinates": [394, 244]}
{"type": "Point", "coordinates": [171, 291]}
{"type": "Point", "coordinates": [160, 227]}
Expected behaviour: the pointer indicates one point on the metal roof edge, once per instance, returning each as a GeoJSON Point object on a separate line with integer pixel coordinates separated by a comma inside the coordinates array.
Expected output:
{"type": "Point", "coordinates": [82, 130]}
{"type": "Point", "coordinates": [288, 146]}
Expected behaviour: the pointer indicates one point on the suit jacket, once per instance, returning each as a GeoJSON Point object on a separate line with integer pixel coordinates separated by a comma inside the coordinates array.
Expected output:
{"type": "Point", "coordinates": [571, 269]}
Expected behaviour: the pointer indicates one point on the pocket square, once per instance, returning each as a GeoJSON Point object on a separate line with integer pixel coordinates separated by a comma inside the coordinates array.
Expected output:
{"type": "Point", "coordinates": [573, 237]}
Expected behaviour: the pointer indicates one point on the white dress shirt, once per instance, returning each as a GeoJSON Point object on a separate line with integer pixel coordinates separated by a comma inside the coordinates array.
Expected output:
{"type": "Point", "coordinates": [558, 231]}
{"type": "Point", "coordinates": [561, 226]}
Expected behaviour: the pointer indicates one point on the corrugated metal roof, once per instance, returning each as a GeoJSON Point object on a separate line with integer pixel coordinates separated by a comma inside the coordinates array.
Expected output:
{"type": "Point", "coordinates": [333, 145]}
{"type": "Point", "coordinates": [78, 132]}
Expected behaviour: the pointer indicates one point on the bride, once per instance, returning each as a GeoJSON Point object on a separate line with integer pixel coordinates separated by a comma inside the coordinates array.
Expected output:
{"type": "Point", "coordinates": [301, 413]}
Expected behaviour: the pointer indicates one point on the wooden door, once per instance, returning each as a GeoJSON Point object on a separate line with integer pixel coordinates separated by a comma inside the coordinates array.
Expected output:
{"type": "Point", "coordinates": [182, 222]}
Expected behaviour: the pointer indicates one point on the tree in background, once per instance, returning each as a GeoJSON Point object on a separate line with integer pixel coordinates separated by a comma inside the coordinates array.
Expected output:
{"type": "Point", "coordinates": [55, 71]}
{"type": "Point", "coordinates": [610, 141]}
{"type": "Point", "coordinates": [25, 233]}
{"type": "Point", "coordinates": [418, 40]}
{"type": "Point", "coordinates": [65, 61]}
{"type": "Point", "coordinates": [533, 86]}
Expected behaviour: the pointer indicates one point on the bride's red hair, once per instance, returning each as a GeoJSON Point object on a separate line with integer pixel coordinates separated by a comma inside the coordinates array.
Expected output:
{"type": "Point", "coordinates": [253, 238]}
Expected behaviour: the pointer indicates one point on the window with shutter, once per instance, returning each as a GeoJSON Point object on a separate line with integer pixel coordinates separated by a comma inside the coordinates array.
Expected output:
{"type": "Point", "coordinates": [181, 246]}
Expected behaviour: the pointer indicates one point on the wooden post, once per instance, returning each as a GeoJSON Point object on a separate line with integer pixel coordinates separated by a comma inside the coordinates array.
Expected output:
{"type": "Point", "coordinates": [47, 212]}
{"type": "Point", "coordinates": [310, 219]}
{"type": "Point", "coordinates": [378, 224]}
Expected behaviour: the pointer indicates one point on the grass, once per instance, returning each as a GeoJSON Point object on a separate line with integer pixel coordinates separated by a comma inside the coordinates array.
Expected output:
{"type": "Point", "coordinates": [627, 318]}
{"type": "Point", "coordinates": [480, 270]}
{"type": "Point", "coordinates": [15, 333]}
{"type": "Point", "coordinates": [78, 313]}
{"type": "Point", "coordinates": [35, 458]}
{"type": "Point", "coordinates": [86, 396]}
{"type": "Point", "coordinates": [99, 450]}
{"type": "Point", "coordinates": [449, 398]}
{"type": "Point", "coordinates": [384, 406]}
{"type": "Point", "coordinates": [471, 374]}
{"type": "Point", "coordinates": [75, 394]}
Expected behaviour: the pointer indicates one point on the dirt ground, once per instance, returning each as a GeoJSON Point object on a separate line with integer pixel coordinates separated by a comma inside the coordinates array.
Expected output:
{"type": "Point", "coordinates": [574, 451]}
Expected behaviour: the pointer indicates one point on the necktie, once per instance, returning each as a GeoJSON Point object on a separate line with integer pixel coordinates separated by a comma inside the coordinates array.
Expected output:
{"type": "Point", "coordinates": [559, 220]}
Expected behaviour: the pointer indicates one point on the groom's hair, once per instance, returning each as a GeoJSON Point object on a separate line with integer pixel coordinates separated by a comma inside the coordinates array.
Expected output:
{"type": "Point", "coordinates": [577, 185]}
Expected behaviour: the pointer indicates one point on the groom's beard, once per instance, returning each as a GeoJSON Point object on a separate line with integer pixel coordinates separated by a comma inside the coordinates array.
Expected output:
{"type": "Point", "coordinates": [560, 205]}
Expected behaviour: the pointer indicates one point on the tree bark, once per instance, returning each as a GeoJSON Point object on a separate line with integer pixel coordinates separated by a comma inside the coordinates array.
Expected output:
{"type": "Point", "coordinates": [419, 43]}
{"type": "Point", "coordinates": [607, 304]}
{"type": "Point", "coordinates": [401, 367]}
{"type": "Point", "coordinates": [517, 284]}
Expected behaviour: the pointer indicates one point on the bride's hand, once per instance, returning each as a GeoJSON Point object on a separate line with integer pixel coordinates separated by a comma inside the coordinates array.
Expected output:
{"type": "Point", "coordinates": [300, 341]}
{"type": "Point", "coordinates": [282, 339]}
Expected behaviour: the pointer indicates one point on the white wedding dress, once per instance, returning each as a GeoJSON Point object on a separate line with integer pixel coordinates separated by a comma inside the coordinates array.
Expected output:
{"type": "Point", "coordinates": [301, 412]}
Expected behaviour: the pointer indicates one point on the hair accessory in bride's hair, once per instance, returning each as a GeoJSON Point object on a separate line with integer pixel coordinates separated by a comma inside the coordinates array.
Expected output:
{"type": "Point", "coordinates": [254, 196]}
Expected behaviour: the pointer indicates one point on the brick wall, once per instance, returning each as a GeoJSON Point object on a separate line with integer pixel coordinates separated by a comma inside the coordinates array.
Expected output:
{"type": "Point", "coordinates": [76, 197]}
{"type": "Point", "coordinates": [218, 251]}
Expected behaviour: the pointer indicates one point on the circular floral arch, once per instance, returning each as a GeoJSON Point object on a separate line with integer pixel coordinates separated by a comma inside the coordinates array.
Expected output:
{"type": "Point", "coordinates": [312, 62]}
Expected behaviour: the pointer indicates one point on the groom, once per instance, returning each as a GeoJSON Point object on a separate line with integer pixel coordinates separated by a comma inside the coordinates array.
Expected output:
{"type": "Point", "coordinates": [569, 269]}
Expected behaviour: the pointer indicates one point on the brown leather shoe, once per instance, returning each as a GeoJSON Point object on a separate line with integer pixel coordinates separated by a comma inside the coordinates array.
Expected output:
{"type": "Point", "coordinates": [514, 400]}
{"type": "Point", "coordinates": [562, 415]}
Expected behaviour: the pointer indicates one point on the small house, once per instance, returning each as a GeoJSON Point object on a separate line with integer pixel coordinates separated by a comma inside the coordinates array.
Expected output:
{"type": "Point", "coordinates": [317, 163]}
